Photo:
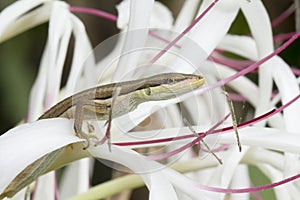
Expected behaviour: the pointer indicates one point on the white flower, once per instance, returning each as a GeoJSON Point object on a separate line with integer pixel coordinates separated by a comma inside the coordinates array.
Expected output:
{"type": "Point", "coordinates": [148, 27]}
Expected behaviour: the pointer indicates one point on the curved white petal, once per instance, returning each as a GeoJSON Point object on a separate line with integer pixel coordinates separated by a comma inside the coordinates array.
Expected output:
{"type": "Point", "coordinates": [26, 143]}
{"type": "Point", "coordinates": [241, 45]}
{"type": "Point", "coordinates": [16, 18]}
{"type": "Point", "coordinates": [150, 171]}
{"type": "Point", "coordinates": [260, 26]}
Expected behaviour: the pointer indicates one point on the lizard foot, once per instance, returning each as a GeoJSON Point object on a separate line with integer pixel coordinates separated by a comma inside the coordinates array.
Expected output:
{"type": "Point", "coordinates": [87, 137]}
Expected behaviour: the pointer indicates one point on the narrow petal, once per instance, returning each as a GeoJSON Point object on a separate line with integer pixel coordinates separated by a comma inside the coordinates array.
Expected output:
{"type": "Point", "coordinates": [58, 41]}
{"type": "Point", "coordinates": [46, 187]}
{"type": "Point", "coordinates": [260, 26]}
{"type": "Point", "coordinates": [75, 179]}
{"type": "Point", "coordinates": [16, 18]}
{"type": "Point", "coordinates": [83, 59]}
{"type": "Point", "coordinates": [136, 36]}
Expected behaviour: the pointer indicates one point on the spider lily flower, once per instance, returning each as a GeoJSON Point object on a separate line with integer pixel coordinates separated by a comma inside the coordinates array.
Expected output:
{"type": "Point", "coordinates": [152, 42]}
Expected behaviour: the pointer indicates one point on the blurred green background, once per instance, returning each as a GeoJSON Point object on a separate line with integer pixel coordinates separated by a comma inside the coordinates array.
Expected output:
{"type": "Point", "coordinates": [20, 56]}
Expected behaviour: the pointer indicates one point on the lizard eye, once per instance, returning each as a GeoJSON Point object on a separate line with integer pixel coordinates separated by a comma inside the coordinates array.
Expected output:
{"type": "Point", "coordinates": [147, 91]}
{"type": "Point", "coordinates": [170, 81]}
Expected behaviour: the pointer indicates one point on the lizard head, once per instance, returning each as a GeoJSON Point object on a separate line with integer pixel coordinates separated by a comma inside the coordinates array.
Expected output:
{"type": "Point", "coordinates": [169, 85]}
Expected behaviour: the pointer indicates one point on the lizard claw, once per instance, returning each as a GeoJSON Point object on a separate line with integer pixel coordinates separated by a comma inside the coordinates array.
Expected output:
{"type": "Point", "coordinates": [87, 137]}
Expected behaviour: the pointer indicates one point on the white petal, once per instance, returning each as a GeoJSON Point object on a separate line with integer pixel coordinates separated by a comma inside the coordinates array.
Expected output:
{"type": "Point", "coordinates": [123, 14]}
{"type": "Point", "coordinates": [106, 66]}
{"type": "Point", "coordinates": [240, 45]}
{"type": "Point", "coordinates": [20, 195]}
{"type": "Point", "coordinates": [83, 59]}
{"type": "Point", "coordinates": [260, 26]}
{"type": "Point", "coordinates": [46, 187]}
{"type": "Point", "coordinates": [186, 15]}
{"type": "Point", "coordinates": [52, 61]}
{"type": "Point", "coordinates": [26, 143]}
{"type": "Point", "coordinates": [75, 179]}
{"type": "Point", "coordinates": [150, 171]}
{"type": "Point", "coordinates": [223, 174]}
{"type": "Point", "coordinates": [206, 34]}
{"type": "Point", "coordinates": [38, 90]}
{"type": "Point", "coordinates": [288, 87]}
{"type": "Point", "coordinates": [269, 138]}
{"type": "Point", "coordinates": [15, 19]}
{"type": "Point", "coordinates": [136, 36]}
{"type": "Point", "coordinates": [242, 85]}
{"type": "Point", "coordinates": [241, 178]}
{"type": "Point", "coordinates": [161, 16]}
{"type": "Point", "coordinates": [186, 185]}
{"type": "Point", "coordinates": [58, 41]}
{"type": "Point", "coordinates": [126, 122]}
{"type": "Point", "coordinates": [160, 188]}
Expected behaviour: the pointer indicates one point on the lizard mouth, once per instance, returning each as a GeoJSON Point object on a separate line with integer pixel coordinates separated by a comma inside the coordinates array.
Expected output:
{"type": "Point", "coordinates": [196, 82]}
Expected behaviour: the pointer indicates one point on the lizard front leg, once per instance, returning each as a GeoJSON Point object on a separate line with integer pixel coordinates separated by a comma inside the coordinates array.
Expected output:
{"type": "Point", "coordinates": [82, 108]}
{"type": "Point", "coordinates": [110, 116]}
